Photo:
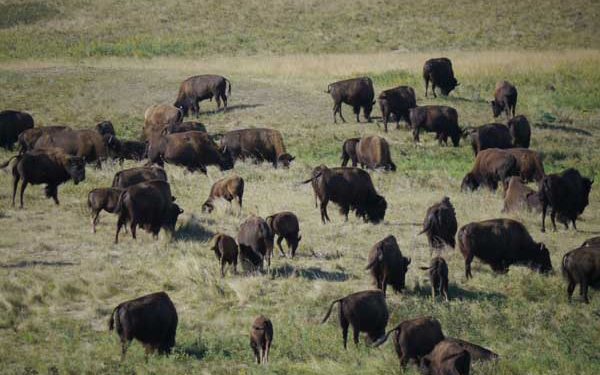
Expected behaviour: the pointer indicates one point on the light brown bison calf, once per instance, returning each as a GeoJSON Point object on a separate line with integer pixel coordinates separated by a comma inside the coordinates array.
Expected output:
{"type": "Point", "coordinates": [438, 276]}
{"type": "Point", "coordinates": [285, 225]}
{"type": "Point", "coordinates": [228, 188]}
{"type": "Point", "coordinates": [261, 337]}
{"type": "Point", "coordinates": [106, 199]}
{"type": "Point", "coordinates": [226, 251]}
{"type": "Point", "coordinates": [505, 99]}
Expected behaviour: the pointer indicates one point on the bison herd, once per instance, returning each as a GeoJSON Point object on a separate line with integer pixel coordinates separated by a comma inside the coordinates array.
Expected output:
{"type": "Point", "coordinates": [142, 197]}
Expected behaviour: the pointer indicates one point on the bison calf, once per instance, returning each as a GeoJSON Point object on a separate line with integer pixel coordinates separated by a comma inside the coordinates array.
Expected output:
{"type": "Point", "coordinates": [387, 265]}
{"type": "Point", "coordinates": [106, 199]}
{"type": "Point", "coordinates": [229, 188]}
{"type": "Point", "coordinates": [261, 338]}
{"type": "Point", "coordinates": [285, 225]}
{"type": "Point", "coordinates": [255, 241]}
{"type": "Point", "coordinates": [438, 276]}
{"type": "Point", "coordinates": [520, 131]}
{"type": "Point", "coordinates": [505, 99]}
{"type": "Point", "coordinates": [226, 251]}
{"type": "Point", "coordinates": [349, 151]}
{"type": "Point", "coordinates": [582, 266]}
{"type": "Point", "coordinates": [447, 358]}
{"type": "Point", "coordinates": [440, 224]}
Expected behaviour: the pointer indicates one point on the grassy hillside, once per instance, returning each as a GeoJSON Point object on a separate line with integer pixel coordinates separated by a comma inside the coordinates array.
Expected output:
{"type": "Point", "coordinates": [80, 28]}
{"type": "Point", "coordinates": [59, 282]}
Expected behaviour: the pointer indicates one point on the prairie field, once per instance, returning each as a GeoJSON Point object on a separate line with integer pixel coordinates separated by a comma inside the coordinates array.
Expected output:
{"type": "Point", "coordinates": [59, 282]}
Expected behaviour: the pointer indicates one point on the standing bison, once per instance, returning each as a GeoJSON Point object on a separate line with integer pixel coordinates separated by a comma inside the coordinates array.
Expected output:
{"type": "Point", "coordinates": [157, 117]}
{"type": "Point", "coordinates": [99, 199]}
{"type": "Point", "coordinates": [197, 88]}
{"type": "Point", "coordinates": [439, 72]}
{"type": "Point", "coordinates": [397, 101]}
{"type": "Point", "coordinates": [373, 152]}
{"type": "Point", "coordinates": [582, 266]}
{"type": "Point", "coordinates": [440, 224]}
{"type": "Point", "coordinates": [438, 119]}
{"type": "Point", "coordinates": [349, 151]}
{"type": "Point", "coordinates": [505, 99]}
{"type": "Point", "coordinates": [228, 188]}
{"type": "Point", "coordinates": [286, 226]}
{"type": "Point", "coordinates": [226, 251]}
{"type": "Point", "coordinates": [490, 136]}
{"type": "Point", "coordinates": [261, 338]}
{"type": "Point", "coordinates": [260, 144]}
{"type": "Point", "coordinates": [356, 92]}
{"type": "Point", "coordinates": [491, 167]}
{"type": "Point", "coordinates": [438, 277]}
{"type": "Point", "coordinates": [520, 131]}
{"type": "Point", "coordinates": [255, 241]}
{"type": "Point", "coordinates": [351, 189]}
{"type": "Point", "coordinates": [85, 143]}
{"type": "Point", "coordinates": [387, 265]}
{"type": "Point", "coordinates": [12, 124]}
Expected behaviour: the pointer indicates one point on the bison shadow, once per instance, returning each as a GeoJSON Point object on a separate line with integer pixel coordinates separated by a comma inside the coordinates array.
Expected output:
{"type": "Point", "coordinates": [311, 273]}
{"type": "Point", "coordinates": [457, 293]}
{"type": "Point", "coordinates": [230, 108]}
{"type": "Point", "coordinates": [566, 129]}
{"type": "Point", "coordinates": [192, 231]}
{"type": "Point", "coordinates": [33, 263]}
{"type": "Point", "coordinates": [196, 350]}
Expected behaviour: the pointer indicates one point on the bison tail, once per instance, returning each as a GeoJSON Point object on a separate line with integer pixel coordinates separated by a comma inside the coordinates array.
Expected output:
{"type": "Point", "coordinates": [565, 266]}
{"type": "Point", "coordinates": [384, 338]}
{"type": "Point", "coordinates": [312, 178]}
{"type": "Point", "coordinates": [111, 321]}
{"type": "Point", "coordinates": [229, 89]}
{"type": "Point", "coordinates": [331, 308]}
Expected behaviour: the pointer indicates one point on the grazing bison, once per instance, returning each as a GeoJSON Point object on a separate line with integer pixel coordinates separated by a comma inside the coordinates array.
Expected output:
{"type": "Point", "coordinates": [567, 194]}
{"type": "Point", "coordinates": [356, 92]}
{"type": "Point", "coordinates": [520, 131]}
{"type": "Point", "coordinates": [415, 338]}
{"type": "Point", "coordinates": [374, 152]}
{"type": "Point", "coordinates": [12, 124]}
{"type": "Point", "coordinates": [500, 243]}
{"type": "Point", "coordinates": [228, 188]}
{"type": "Point", "coordinates": [438, 276]}
{"type": "Point", "coordinates": [491, 167]}
{"type": "Point", "coordinates": [529, 162]}
{"type": "Point", "coordinates": [366, 311]}
{"type": "Point", "coordinates": [86, 143]}
{"type": "Point", "coordinates": [159, 116]}
{"type": "Point", "coordinates": [106, 199]}
{"type": "Point", "coordinates": [505, 99]}
{"type": "Point", "coordinates": [255, 241]}
{"type": "Point", "coordinates": [582, 266]}
{"type": "Point", "coordinates": [50, 166]}
{"type": "Point", "coordinates": [439, 72]}
{"type": "Point", "coordinates": [397, 101]}
{"type": "Point", "coordinates": [447, 358]}
{"type": "Point", "coordinates": [351, 189]}
{"type": "Point", "coordinates": [349, 151]}
{"type": "Point", "coordinates": [387, 265]}
{"type": "Point", "coordinates": [260, 144]}
{"type": "Point", "coordinates": [126, 150]}
{"type": "Point", "coordinates": [490, 136]}
{"type": "Point", "coordinates": [29, 137]}
{"type": "Point", "coordinates": [226, 251]}
{"type": "Point", "coordinates": [261, 338]}
{"type": "Point", "coordinates": [519, 196]}
{"type": "Point", "coordinates": [440, 224]}
{"type": "Point", "coordinates": [438, 119]}
{"type": "Point", "coordinates": [105, 128]}
{"type": "Point", "coordinates": [285, 225]}
{"type": "Point", "coordinates": [127, 177]}
{"type": "Point", "coordinates": [478, 353]}
{"type": "Point", "coordinates": [197, 88]}
{"type": "Point", "coordinates": [151, 319]}
{"type": "Point", "coordinates": [193, 150]}
{"type": "Point", "coordinates": [186, 126]}
{"type": "Point", "coordinates": [150, 205]}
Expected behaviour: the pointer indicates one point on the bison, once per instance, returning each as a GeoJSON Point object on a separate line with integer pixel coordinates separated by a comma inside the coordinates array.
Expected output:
{"type": "Point", "coordinates": [387, 265]}
{"type": "Point", "coordinates": [29, 137]}
{"type": "Point", "coordinates": [351, 189]}
{"type": "Point", "coordinates": [438, 276]}
{"type": "Point", "coordinates": [440, 224]}
{"type": "Point", "coordinates": [520, 131]}
{"type": "Point", "coordinates": [349, 151]}
{"type": "Point", "coordinates": [197, 88]}
{"type": "Point", "coordinates": [397, 101]}
{"type": "Point", "coordinates": [159, 116]}
{"type": "Point", "coordinates": [50, 166]}
{"type": "Point", "coordinates": [228, 188]}
{"type": "Point", "coordinates": [151, 319]}
{"type": "Point", "coordinates": [582, 266]}
{"type": "Point", "coordinates": [255, 241]}
{"type": "Point", "coordinates": [505, 99]}
{"type": "Point", "coordinates": [99, 199]}
{"type": "Point", "coordinates": [374, 152]}
{"type": "Point", "coordinates": [500, 243]}
{"type": "Point", "coordinates": [105, 128]}
{"type": "Point", "coordinates": [226, 251]}
{"type": "Point", "coordinates": [366, 311]}
{"type": "Point", "coordinates": [285, 225]}
{"type": "Point", "coordinates": [439, 72]}
{"type": "Point", "coordinates": [260, 144]}
{"type": "Point", "coordinates": [437, 119]}
{"type": "Point", "coordinates": [519, 196]}
{"type": "Point", "coordinates": [446, 358]}
{"type": "Point", "coordinates": [127, 177]}
{"type": "Point", "coordinates": [567, 194]}
{"type": "Point", "coordinates": [491, 167]}
{"type": "Point", "coordinates": [85, 143]}
{"type": "Point", "coordinates": [261, 338]}
{"type": "Point", "coordinates": [12, 124]}
{"type": "Point", "coordinates": [356, 92]}
{"type": "Point", "coordinates": [529, 163]}
{"type": "Point", "coordinates": [490, 136]}
{"type": "Point", "coordinates": [126, 150]}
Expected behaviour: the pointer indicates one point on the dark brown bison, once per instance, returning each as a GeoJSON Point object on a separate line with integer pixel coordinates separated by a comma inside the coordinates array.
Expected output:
{"type": "Point", "coordinates": [151, 319]}
{"type": "Point", "coordinates": [349, 151]}
{"type": "Point", "coordinates": [438, 277]}
{"type": "Point", "coordinates": [182, 127]}
{"type": "Point", "coordinates": [520, 131]}
{"type": "Point", "coordinates": [440, 224]}
{"type": "Point", "coordinates": [197, 88]}
{"type": "Point", "coordinates": [228, 188]}
{"type": "Point", "coordinates": [85, 143]}
{"type": "Point", "coordinates": [567, 194]}
{"type": "Point", "coordinates": [351, 189]}
{"type": "Point", "coordinates": [125, 149]}
{"type": "Point", "coordinates": [505, 99]}
{"type": "Point", "coordinates": [519, 196]}
{"type": "Point", "coordinates": [285, 225]}
{"type": "Point", "coordinates": [29, 137]}
{"type": "Point", "coordinates": [365, 311]}
{"type": "Point", "coordinates": [397, 101]}
{"type": "Point", "coordinates": [415, 338]}
{"type": "Point", "coordinates": [500, 243]}
{"type": "Point", "coordinates": [255, 241]}
{"type": "Point", "coordinates": [99, 199]}
{"type": "Point", "coordinates": [447, 358]}
{"type": "Point", "coordinates": [50, 166]}
{"type": "Point", "coordinates": [259, 144]}
{"type": "Point", "coordinates": [12, 124]}
{"type": "Point", "coordinates": [373, 152]}
{"type": "Point", "coordinates": [478, 353]}
{"type": "Point", "coordinates": [150, 205]}
{"type": "Point", "coordinates": [387, 265]}
{"type": "Point", "coordinates": [193, 150]}
{"type": "Point", "coordinates": [529, 162]}
{"type": "Point", "coordinates": [159, 116]}
{"type": "Point", "coordinates": [490, 136]}
{"type": "Point", "coordinates": [261, 338]}
{"type": "Point", "coordinates": [356, 92]}
{"type": "Point", "coordinates": [127, 177]}
{"type": "Point", "coordinates": [582, 266]}
{"type": "Point", "coordinates": [438, 119]}
{"type": "Point", "coordinates": [594, 241]}
{"type": "Point", "coordinates": [105, 128]}
{"type": "Point", "coordinates": [226, 251]}
{"type": "Point", "coordinates": [491, 167]}
{"type": "Point", "coordinates": [439, 72]}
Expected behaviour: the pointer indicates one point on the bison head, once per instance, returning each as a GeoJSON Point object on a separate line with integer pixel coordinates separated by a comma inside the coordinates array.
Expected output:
{"type": "Point", "coordinates": [183, 105]}
{"type": "Point", "coordinates": [469, 183]}
{"type": "Point", "coordinates": [449, 86]}
{"type": "Point", "coordinates": [375, 210]}
{"type": "Point", "coordinates": [542, 261]}
{"type": "Point", "coordinates": [105, 127]}
{"type": "Point", "coordinates": [171, 217]}
{"type": "Point", "coordinates": [225, 160]}
{"type": "Point", "coordinates": [208, 206]}
{"type": "Point", "coordinates": [285, 160]}
{"type": "Point", "coordinates": [497, 108]}
{"type": "Point", "coordinates": [76, 168]}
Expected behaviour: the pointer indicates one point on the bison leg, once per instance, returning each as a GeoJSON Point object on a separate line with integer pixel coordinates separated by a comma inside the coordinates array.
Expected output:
{"type": "Point", "coordinates": [444, 290]}
{"type": "Point", "coordinates": [224, 97]}
{"type": "Point", "coordinates": [433, 89]}
{"type": "Point", "coordinates": [354, 161]}
{"type": "Point", "coordinates": [16, 178]}
{"type": "Point", "coordinates": [222, 267]}
{"type": "Point", "coordinates": [53, 192]}
{"type": "Point", "coordinates": [133, 227]}
{"type": "Point", "coordinates": [345, 324]}
{"type": "Point", "coordinates": [385, 114]}
{"type": "Point", "coordinates": [356, 333]}
{"type": "Point", "coordinates": [324, 216]}
{"type": "Point", "coordinates": [468, 261]}
{"type": "Point", "coordinates": [356, 111]}
{"type": "Point", "coordinates": [553, 218]}
{"type": "Point", "coordinates": [124, 345]}
{"type": "Point", "coordinates": [23, 186]}
{"type": "Point", "coordinates": [279, 240]}
{"type": "Point", "coordinates": [544, 210]}
{"type": "Point", "coordinates": [583, 289]}
{"type": "Point", "coordinates": [95, 219]}
{"type": "Point", "coordinates": [267, 350]}
{"type": "Point", "coordinates": [574, 225]}
{"type": "Point", "coordinates": [256, 353]}
{"type": "Point", "coordinates": [218, 100]}
{"type": "Point", "coordinates": [426, 86]}
{"type": "Point", "coordinates": [570, 289]}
